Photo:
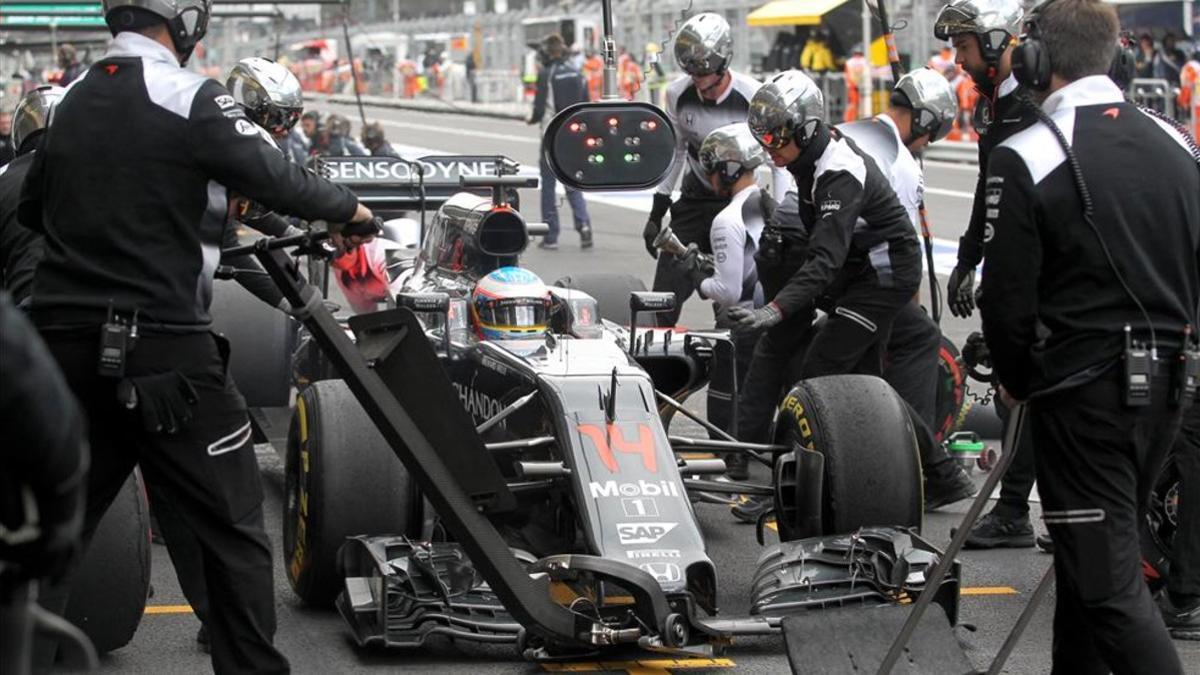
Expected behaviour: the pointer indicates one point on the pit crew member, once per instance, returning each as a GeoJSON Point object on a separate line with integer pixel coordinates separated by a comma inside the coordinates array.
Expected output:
{"type": "Point", "coordinates": [983, 32]}
{"type": "Point", "coordinates": [710, 95]}
{"type": "Point", "coordinates": [130, 248]}
{"type": "Point", "coordinates": [20, 247]}
{"type": "Point", "coordinates": [510, 303]}
{"type": "Point", "coordinates": [271, 97]}
{"type": "Point", "coordinates": [376, 142]}
{"type": "Point", "coordinates": [923, 109]}
{"type": "Point", "coordinates": [730, 155]}
{"type": "Point", "coordinates": [863, 260]}
{"type": "Point", "coordinates": [1092, 255]}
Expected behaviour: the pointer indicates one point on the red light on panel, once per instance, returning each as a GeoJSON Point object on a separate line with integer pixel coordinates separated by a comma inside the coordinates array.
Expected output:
{"type": "Point", "coordinates": [612, 121]}
{"type": "Point", "coordinates": [649, 125]}
{"type": "Point", "coordinates": [574, 127]}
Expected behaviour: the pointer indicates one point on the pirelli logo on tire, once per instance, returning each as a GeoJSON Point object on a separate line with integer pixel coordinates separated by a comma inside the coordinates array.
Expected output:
{"type": "Point", "coordinates": [792, 407]}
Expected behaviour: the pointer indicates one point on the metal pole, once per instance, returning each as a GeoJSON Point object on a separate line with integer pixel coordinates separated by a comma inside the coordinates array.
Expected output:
{"type": "Point", "coordinates": [610, 54]}
{"type": "Point", "coordinates": [933, 581]}
{"type": "Point", "coordinates": [1014, 636]}
{"type": "Point", "coordinates": [864, 106]}
{"type": "Point", "coordinates": [362, 114]}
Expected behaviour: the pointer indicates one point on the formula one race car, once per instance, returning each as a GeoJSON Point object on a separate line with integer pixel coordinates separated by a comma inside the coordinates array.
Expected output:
{"type": "Point", "coordinates": [529, 491]}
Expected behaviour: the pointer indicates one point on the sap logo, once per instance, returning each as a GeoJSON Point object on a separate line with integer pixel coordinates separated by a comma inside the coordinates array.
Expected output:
{"type": "Point", "coordinates": [642, 488]}
{"type": "Point", "coordinates": [663, 572]}
{"type": "Point", "coordinates": [831, 206]}
{"type": "Point", "coordinates": [601, 437]}
{"type": "Point", "coordinates": [643, 533]}
{"type": "Point", "coordinates": [480, 405]}
{"type": "Point", "coordinates": [655, 553]}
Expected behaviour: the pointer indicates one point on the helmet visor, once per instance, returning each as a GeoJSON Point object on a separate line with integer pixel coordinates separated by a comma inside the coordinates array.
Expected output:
{"type": "Point", "coordinates": [279, 120]}
{"type": "Point", "coordinates": [513, 313]}
{"type": "Point", "coordinates": [775, 138]}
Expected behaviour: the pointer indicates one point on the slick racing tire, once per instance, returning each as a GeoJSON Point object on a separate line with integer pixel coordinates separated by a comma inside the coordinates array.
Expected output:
{"type": "Point", "coordinates": [109, 592]}
{"type": "Point", "coordinates": [262, 340]}
{"type": "Point", "coordinates": [872, 469]}
{"type": "Point", "coordinates": [951, 391]}
{"type": "Point", "coordinates": [611, 292]}
{"type": "Point", "coordinates": [341, 479]}
{"type": "Point", "coordinates": [1159, 525]}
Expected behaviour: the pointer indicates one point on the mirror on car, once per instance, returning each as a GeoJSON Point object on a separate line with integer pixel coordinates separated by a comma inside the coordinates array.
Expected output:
{"type": "Point", "coordinates": [651, 301]}
{"type": "Point", "coordinates": [424, 302]}
{"type": "Point", "coordinates": [610, 145]}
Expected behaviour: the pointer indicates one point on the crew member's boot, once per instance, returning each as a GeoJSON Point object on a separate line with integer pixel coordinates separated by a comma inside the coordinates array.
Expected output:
{"type": "Point", "coordinates": [997, 530]}
{"type": "Point", "coordinates": [1181, 614]}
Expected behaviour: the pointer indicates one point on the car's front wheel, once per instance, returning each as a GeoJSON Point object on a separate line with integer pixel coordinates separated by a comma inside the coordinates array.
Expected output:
{"type": "Point", "coordinates": [869, 469]}
{"type": "Point", "coordinates": [341, 479]}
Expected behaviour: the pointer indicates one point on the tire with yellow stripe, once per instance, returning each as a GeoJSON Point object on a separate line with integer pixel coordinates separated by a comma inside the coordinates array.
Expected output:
{"type": "Point", "coordinates": [341, 479]}
{"type": "Point", "coordinates": [872, 469]}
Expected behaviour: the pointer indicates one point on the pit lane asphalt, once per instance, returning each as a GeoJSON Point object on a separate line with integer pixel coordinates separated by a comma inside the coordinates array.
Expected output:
{"type": "Point", "coordinates": [316, 641]}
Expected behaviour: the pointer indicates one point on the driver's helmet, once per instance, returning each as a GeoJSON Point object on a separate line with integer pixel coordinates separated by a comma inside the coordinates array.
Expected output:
{"type": "Point", "coordinates": [789, 107]}
{"type": "Point", "coordinates": [995, 22]}
{"type": "Point", "coordinates": [932, 100]}
{"type": "Point", "coordinates": [510, 303]}
{"type": "Point", "coordinates": [704, 45]}
{"type": "Point", "coordinates": [269, 93]}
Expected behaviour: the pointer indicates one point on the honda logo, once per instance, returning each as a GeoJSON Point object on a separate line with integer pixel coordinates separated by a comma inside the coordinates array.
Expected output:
{"type": "Point", "coordinates": [663, 572]}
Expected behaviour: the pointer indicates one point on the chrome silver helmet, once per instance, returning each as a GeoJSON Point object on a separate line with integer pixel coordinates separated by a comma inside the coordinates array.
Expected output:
{"type": "Point", "coordinates": [932, 100]}
{"type": "Point", "coordinates": [704, 45]}
{"type": "Point", "coordinates": [996, 22]}
{"type": "Point", "coordinates": [34, 111]}
{"type": "Point", "coordinates": [187, 20]}
{"type": "Point", "coordinates": [731, 151]}
{"type": "Point", "coordinates": [789, 107]}
{"type": "Point", "coordinates": [270, 93]}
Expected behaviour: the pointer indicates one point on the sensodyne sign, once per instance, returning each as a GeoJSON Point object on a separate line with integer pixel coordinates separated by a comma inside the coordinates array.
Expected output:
{"type": "Point", "coordinates": [390, 170]}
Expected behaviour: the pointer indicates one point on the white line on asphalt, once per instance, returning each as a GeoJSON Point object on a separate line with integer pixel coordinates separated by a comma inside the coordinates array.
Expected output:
{"type": "Point", "coordinates": [957, 166]}
{"type": "Point", "coordinates": [459, 131]}
{"type": "Point", "coordinates": [949, 193]}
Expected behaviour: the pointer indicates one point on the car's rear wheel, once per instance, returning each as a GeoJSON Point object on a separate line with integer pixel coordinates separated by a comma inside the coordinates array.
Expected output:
{"type": "Point", "coordinates": [262, 340]}
{"type": "Point", "coordinates": [950, 392]}
{"type": "Point", "coordinates": [341, 479]}
{"type": "Point", "coordinates": [1159, 526]}
{"type": "Point", "coordinates": [611, 292]}
{"type": "Point", "coordinates": [108, 595]}
{"type": "Point", "coordinates": [872, 469]}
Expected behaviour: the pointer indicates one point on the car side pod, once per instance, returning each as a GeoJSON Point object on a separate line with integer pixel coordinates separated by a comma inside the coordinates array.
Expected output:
{"type": "Point", "coordinates": [419, 445]}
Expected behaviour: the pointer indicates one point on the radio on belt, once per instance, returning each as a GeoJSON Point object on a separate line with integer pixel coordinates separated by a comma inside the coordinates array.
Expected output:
{"type": "Point", "coordinates": [610, 145]}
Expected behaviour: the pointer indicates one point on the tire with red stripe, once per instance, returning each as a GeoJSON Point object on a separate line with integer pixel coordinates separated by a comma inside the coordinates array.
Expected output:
{"type": "Point", "coordinates": [951, 390]}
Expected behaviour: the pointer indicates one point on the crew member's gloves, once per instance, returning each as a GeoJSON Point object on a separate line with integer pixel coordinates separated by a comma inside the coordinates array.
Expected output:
{"type": "Point", "coordinates": [753, 320]}
{"type": "Point", "coordinates": [960, 292]}
{"type": "Point", "coordinates": [662, 204]}
{"type": "Point", "coordinates": [694, 266]}
{"type": "Point", "coordinates": [165, 400]}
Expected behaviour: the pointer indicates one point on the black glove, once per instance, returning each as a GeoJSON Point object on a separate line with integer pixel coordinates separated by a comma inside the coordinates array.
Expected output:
{"type": "Point", "coordinates": [694, 266]}
{"type": "Point", "coordinates": [753, 320]}
{"type": "Point", "coordinates": [960, 292]}
{"type": "Point", "coordinates": [367, 228]}
{"type": "Point", "coordinates": [166, 400]}
{"type": "Point", "coordinates": [662, 204]}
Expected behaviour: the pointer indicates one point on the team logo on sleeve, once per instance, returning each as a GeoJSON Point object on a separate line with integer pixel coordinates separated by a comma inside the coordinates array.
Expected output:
{"type": "Point", "coordinates": [829, 206]}
{"type": "Point", "coordinates": [245, 127]}
{"type": "Point", "coordinates": [224, 101]}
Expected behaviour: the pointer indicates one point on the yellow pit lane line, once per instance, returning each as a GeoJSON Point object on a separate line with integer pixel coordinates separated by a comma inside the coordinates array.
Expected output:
{"type": "Point", "coordinates": [642, 667]}
{"type": "Point", "coordinates": [168, 609]}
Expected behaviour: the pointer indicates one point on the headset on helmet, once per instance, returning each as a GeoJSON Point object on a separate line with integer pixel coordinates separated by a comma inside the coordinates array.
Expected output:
{"type": "Point", "coordinates": [789, 107]}
{"type": "Point", "coordinates": [511, 303]}
{"type": "Point", "coordinates": [268, 92]}
{"type": "Point", "coordinates": [931, 98]}
{"type": "Point", "coordinates": [187, 20]}
{"type": "Point", "coordinates": [704, 45]}
{"type": "Point", "coordinates": [730, 152]}
{"type": "Point", "coordinates": [33, 113]}
{"type": "Point", "coordinates": [995, 22]}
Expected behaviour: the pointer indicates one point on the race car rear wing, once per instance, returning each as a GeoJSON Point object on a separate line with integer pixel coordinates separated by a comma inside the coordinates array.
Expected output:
{"type": "Point", "coordinates": [395, 184]}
